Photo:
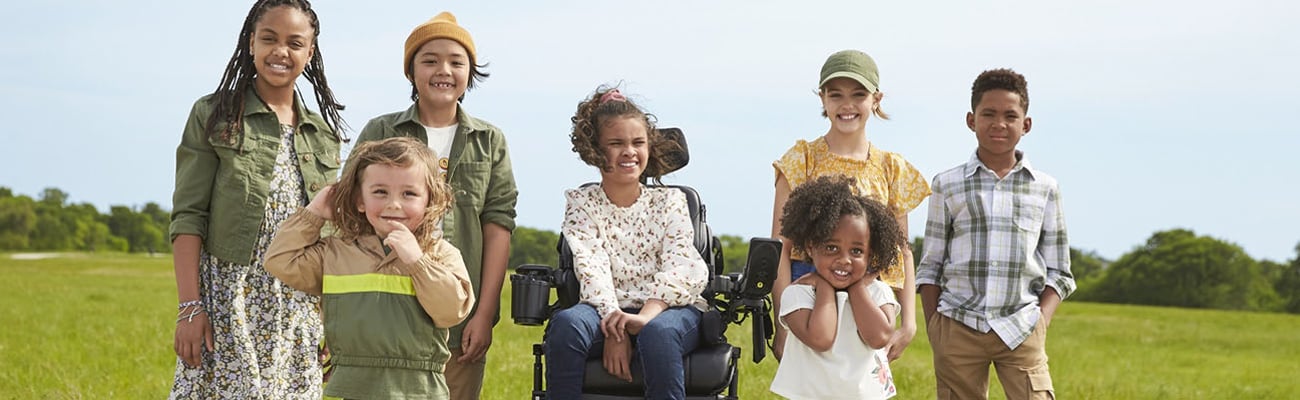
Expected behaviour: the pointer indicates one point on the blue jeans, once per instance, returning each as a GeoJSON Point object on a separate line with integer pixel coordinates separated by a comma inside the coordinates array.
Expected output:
{"type": "Point", "coordinates": [574, 335]}
{"type": "Point", "coordinates": [800, 268]}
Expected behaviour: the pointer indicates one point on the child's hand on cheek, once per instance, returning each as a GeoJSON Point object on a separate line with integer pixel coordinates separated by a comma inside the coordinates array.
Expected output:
{"type": "Point", "coordinates": [320, 205]}
{"type": "Point", "coordinates": [402, 241]}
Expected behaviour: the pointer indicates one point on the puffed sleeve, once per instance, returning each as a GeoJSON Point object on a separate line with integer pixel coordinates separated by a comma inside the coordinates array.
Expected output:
{"type": "Point", "coordinates": [794, 164]}
{"type": "Point", "coordinates": [796, 297]}
{"type": "Point", "coordinates": [442, 284]}
{"type": "Point", "coordinates": [590, 259]}
{"type": "Point", "coordinates": [683, 273]}
{"type": "Point", "coordinates": [908, 188]}
{"type": "Point", "coordinates": [296, 255]}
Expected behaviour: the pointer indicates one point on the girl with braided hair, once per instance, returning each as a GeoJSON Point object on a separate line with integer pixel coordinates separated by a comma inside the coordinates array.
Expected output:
{"type": "Point", "coordinates": [250, 155]}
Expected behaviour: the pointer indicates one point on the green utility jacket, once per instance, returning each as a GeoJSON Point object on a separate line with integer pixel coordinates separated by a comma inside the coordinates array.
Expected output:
{"type": "Point", "coordinates": [222, 186]}
{"type": "Point", "coordinates": [480, 174]}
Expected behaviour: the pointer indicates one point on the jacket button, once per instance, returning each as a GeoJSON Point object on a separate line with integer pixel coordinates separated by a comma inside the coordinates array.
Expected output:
{"type": "Point", "coordinates": [306, 157]}
{"type": "Point", "coordinates": [315, 187]}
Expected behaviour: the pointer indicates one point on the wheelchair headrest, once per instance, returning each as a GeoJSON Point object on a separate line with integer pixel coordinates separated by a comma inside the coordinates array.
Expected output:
{"type": "Point", "coordinates": [677, 159]}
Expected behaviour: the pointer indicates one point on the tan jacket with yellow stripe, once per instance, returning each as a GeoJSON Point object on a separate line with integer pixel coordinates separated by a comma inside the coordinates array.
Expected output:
{"type": "Point", "coordinates": [385, 321]}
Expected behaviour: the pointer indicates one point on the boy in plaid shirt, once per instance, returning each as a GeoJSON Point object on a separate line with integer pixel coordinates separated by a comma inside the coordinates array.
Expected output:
{"type": "Point", "coordinates": [997, 259]}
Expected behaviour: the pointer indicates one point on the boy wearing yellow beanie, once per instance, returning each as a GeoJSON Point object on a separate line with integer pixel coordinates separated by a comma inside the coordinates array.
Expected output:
{"type": "Point", "coordinates": [441, 62]}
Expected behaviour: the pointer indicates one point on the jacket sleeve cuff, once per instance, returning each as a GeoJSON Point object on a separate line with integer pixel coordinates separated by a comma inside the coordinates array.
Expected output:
{"type": "Point", "coordinates": [502, 219]}
{"type": "Point", "coordinates": [188, 226]}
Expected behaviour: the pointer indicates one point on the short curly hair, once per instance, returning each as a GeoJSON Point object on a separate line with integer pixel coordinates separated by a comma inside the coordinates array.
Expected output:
{"type": "Point", "coordinates": [397, 152]}
{"type": "Point", "coordinates": [593, 113]}
{"type": "Point", "coordinates": [1000, 79]}
{"type": "Point", "coordinates": [814, 210]}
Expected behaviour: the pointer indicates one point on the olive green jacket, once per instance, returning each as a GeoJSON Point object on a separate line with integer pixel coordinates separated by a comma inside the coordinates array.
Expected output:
{"type": "Point", "coordinates": [222, 185]}
{"type": "Point", "coordinates": [480, 174]}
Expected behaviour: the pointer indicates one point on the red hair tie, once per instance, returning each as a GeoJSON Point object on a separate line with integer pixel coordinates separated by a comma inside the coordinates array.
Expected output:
{"type": "Point", "coordinates": [612, 95]}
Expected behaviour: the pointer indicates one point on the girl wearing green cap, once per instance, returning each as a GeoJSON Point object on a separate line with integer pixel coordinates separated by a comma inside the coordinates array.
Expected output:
{"type": "Point", "coordinates": [849, 89]}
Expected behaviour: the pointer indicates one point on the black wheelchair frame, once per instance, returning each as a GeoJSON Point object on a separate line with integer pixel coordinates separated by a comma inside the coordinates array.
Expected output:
{"type": "Point", "coordinates": [732, 298]}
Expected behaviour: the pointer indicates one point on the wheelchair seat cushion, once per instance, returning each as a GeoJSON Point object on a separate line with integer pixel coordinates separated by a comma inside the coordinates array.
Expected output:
{"type": "Point", "coordinates": [709, 370]}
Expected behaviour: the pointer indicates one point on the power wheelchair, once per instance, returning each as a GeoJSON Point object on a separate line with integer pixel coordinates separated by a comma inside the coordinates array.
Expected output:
{"type": "Point", "coordinates": [711, 369]}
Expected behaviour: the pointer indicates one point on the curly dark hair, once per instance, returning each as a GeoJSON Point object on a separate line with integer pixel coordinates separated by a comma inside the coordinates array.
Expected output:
{"type": "Point", "coordinates": [396, 152]}
{"type": "Point", "coordinates": [814, 210]}
{"type": "Point", "coordinates": [593, 113]}
{"type": "Point", "coordinates": [1000, 79]}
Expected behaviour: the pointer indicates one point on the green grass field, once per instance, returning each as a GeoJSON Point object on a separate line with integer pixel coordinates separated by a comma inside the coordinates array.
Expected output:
{"type": "Point", "coordinates": [100, 327]}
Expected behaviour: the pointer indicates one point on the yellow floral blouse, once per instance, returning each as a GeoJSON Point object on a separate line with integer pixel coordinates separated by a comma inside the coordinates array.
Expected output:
{"type": "Point", "coordinates": [884, 176]}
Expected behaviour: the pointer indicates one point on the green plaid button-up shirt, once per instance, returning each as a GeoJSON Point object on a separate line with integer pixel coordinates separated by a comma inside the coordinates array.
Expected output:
{"type": "Point", "coordinates": [992, 245]}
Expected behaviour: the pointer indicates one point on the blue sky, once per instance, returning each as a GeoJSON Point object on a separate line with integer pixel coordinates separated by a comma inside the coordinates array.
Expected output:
{"type": "Point", "coordinates": [1152, 115]}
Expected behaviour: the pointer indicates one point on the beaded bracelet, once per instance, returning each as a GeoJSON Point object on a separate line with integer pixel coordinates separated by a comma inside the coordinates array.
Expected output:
{"type": "Point", "coordinates": [189, 304]}
{"type": "Point", "coordinates": [189, 317]}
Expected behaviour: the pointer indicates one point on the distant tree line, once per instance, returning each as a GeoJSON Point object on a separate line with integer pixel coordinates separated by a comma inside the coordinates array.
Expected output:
{"type": "Point", "coordinates": [50, 223]}
{"type": "Point", "coordinates": [1173, 268]}
{"type": "Point", "coordinates": [1181, 269]}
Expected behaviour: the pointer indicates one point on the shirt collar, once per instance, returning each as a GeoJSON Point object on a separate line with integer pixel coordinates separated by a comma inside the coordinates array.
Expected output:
{"type": "Point", "coordinates": [253, 104]}
{"type": "Point", "coordinates": [464, 122]}
{"type": "Point", "coordinates": [1022, 163]}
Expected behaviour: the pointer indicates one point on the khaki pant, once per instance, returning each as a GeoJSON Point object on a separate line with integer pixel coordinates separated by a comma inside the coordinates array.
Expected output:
{"type": "Point", "coordinates": [465, 380]}
{"type": "Point", "coordinates": [962, 356]}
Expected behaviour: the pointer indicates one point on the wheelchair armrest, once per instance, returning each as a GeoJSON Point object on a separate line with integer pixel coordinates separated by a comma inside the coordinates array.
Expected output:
{"type": "Point", "coordinates": [530, 290]}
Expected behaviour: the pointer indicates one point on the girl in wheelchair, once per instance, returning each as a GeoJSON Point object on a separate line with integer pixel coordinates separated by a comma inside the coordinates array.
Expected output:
{"type": "Point", "coordinates": [391, 285]}
{"type": "Point", "coordinates": [841, 316]}
{"type": "Point", "coordinates": [634, 254]}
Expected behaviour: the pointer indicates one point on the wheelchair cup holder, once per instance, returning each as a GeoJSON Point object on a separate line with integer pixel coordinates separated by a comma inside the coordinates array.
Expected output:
{"type": "Point", "coordinates": [530, 287]}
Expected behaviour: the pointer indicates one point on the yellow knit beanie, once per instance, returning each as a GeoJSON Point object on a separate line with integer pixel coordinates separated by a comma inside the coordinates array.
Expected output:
{"type": "Point", "coordinates": [442, 26]}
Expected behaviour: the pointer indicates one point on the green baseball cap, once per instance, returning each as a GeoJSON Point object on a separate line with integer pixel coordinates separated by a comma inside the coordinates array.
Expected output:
{"type": "Point", "coordinates": [852, 64]}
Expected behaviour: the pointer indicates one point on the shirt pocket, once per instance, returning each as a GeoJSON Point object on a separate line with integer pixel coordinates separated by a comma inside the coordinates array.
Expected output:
{"type": "Point", "coordinates": [470, 184]}
{"type": "Point", "coordinates": [319, 168]}
{"type": "Point", "coordinates": [232, 164]}
{"type": "Point", "coordinates": [1029, 212]}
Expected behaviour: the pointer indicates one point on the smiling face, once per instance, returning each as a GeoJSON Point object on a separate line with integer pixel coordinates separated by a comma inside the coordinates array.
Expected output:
{"type": "Point", "coordinates": [842, 259]}
{"type": "Point", "coordinates": [282, 43]}
{"type": "Point", "coordinates": [848, 104]}
{"type": "Point", "coordinates": [440, 72]}
{"type": "Point", "coordinates": [626, 146]}
{"type": "Point", "coordinates": [999, 122]}
{"type": "Point", "coordinates": [390, 193]}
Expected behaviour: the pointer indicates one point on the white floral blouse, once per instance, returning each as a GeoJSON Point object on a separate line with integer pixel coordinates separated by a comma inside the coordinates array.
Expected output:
{"type": "Point", "coordinates": [626, 255]}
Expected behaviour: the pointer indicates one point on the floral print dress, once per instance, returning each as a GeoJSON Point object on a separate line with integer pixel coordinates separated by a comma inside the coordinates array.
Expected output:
{"type": "Point", "coordinates": [267, 334]}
